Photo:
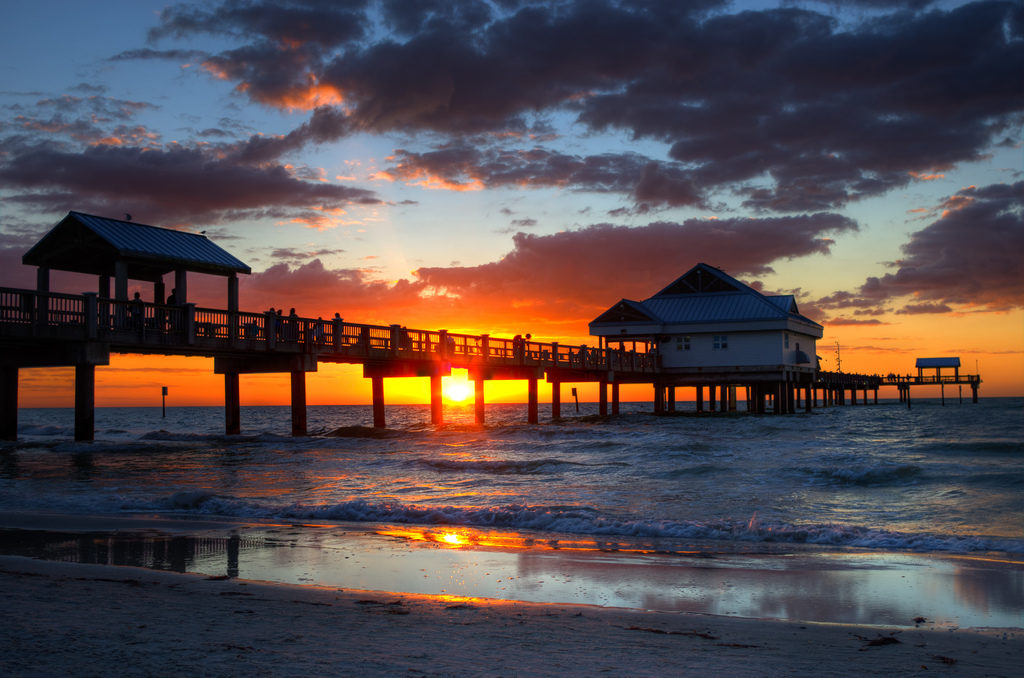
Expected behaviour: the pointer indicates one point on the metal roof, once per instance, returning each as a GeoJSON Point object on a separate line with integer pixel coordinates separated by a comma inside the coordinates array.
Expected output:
{"type": "Point", "coordinates": [705, 294]}
{"type": "Point", "coordinates": [714, 307]}
{"type": "Point", "coordinates": [85, 243]}
{"type": "Point", "coordinates": [938, 362]}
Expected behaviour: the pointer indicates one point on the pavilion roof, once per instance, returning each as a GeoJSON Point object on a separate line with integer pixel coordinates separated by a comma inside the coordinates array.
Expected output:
{"type": "Point", "coordinates": [85, 243]}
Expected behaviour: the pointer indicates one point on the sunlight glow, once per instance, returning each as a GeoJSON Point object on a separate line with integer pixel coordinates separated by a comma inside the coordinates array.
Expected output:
{"type": "Point", "coordinates": [458, 391]}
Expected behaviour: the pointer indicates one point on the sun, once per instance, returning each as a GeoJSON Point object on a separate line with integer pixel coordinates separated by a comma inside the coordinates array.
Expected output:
{"type": "Point", "coordinates": [458, 391]}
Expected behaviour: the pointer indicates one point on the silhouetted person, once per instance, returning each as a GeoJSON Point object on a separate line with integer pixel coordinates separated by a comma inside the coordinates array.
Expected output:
{"type": "Point", "coordinates": [137, 311]}
{"type": "Point", "coordinates": [293, 326]}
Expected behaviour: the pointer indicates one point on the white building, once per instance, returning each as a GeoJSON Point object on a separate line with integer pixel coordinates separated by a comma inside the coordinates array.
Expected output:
{"type": "Point", "coordinates": [709, 329]}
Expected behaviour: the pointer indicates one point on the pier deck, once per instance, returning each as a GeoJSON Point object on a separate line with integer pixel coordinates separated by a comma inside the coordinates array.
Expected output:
{"type": "Point", "coordinates": [49, 329]}
{"type": "Point", "coordinates": [46, 329]}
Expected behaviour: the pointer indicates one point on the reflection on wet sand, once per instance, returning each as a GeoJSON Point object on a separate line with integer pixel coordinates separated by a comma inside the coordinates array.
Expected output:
{"type": "Point", "coordinates": [849, 587]}
{"type": "Point", "coordinates": [176, 553]}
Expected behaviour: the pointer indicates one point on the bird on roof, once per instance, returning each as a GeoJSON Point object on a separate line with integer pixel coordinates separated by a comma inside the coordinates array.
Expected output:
{"type": "Point", "coordinates": [127, 217]}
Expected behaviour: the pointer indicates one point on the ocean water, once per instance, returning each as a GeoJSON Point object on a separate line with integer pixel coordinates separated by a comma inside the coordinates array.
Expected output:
{"type": "Point", "coordinates": [932, 479]}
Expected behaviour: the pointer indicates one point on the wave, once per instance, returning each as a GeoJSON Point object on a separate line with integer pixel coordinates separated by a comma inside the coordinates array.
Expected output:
{"type": "Point", "coordinates": [972, 448]}
{"type": "Point", "coordinates": [588, 521]}
{"type": "Point", "coordinates": [884, 474]}
{"type": "Point", "coordinates": [500, 467]}
{"type": "Point", "coordinates": [695, 470]}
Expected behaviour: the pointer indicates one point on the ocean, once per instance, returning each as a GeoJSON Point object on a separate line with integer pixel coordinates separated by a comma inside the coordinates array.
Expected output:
{"type": "Point", "coordinates": [933, 479]}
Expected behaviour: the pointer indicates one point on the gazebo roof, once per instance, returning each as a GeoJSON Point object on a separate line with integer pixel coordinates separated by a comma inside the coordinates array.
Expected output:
{"type": "Point", "coordinates": [84, 243]}
{"type": "Point", "coordinates": [938, 362]}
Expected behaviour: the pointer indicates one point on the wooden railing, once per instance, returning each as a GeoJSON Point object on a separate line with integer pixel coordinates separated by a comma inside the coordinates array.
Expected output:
{"type": "Point", "coordinates": [124, 324]}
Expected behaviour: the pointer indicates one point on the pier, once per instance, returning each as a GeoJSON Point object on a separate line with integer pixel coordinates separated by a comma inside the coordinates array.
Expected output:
{"type": "Point", "coordinates": [41, 328]}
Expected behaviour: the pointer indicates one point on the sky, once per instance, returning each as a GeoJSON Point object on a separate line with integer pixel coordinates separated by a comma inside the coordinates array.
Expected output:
{"type": "Point", "coordinates": [513, 166]}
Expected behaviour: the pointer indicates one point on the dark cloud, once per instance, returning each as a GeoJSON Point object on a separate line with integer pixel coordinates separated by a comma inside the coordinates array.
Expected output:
{"type": "Point", "coordinates": [292, 255]}
{"type": "Point", "coordinates": [170, 185]}
{"type": "Point", "coordinates": [917, 309]}
{"type": "Point", "coordinates": [286, 23]}
{"type": "Point", "coordinates": [788, 108]}
{"type": "Point", "coordinates": [854, 321]}
{"type": "Point", "coordinates": [568, 272]}
{"type": "Point", "coordinates": [147, 54]}
{"type": "Point", "coordinates": [474, 167]}
{"type": "Point", "coordinates": [325, 124]}
{"type": "Point", "coordinates": [969, 256]}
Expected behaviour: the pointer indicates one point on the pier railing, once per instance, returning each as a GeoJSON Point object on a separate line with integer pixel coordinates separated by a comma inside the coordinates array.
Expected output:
{"type": "Point", "coordinates": [128, 324]}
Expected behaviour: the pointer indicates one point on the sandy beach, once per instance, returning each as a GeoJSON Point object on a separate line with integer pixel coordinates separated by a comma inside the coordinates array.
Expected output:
{"type": "Point", "coordinates": [84, 619]}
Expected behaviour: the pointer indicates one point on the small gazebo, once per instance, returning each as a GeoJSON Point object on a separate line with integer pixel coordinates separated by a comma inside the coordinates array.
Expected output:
{"type": "Point", "coordinates": [125, 250]}
{"type": "Point", "coordinates": [938, 364]}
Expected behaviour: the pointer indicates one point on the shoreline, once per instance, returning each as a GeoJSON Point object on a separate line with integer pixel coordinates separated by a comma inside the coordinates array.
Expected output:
{"type": "Point", "coordinates": [788, 583]}
{"type": "Point", "coordinates": [99, 619]}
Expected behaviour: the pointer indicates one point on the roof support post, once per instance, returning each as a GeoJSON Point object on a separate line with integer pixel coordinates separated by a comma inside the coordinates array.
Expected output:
{"type": "Point", "coordinates": [190, 324]}
{"type": "Point", "coordinates": [233, 307]}
{"type": "Point", "coordinates": [43, 298]}
{"type": "Point", "coordinates": [91, 315]}
{"type": "Point", "coordinates": [121, 280]}
{"type": "Point", "coordinates": [181, 286]}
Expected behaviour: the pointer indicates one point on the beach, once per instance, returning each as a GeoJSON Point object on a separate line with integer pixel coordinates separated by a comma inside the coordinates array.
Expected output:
{"type": "Point", "coordinates": [78, 619]}
{"type": "Point", "coordinates": [872, 542]}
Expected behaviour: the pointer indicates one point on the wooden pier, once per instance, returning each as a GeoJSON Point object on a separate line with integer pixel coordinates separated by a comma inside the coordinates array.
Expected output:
{"type": "Point", "coordinates": [45, 329]}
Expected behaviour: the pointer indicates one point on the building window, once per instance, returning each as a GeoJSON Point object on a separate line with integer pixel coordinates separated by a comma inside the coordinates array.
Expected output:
{"type": "Point", "coordinates": [721, 342]}
{"type": "Point", "coordinates": [787, 340]}
{"type": "Point", "coordinates": [683, 343]}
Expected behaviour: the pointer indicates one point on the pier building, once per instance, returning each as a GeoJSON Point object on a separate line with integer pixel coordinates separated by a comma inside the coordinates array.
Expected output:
{"type": "Point", "coordinates": [711, 331]}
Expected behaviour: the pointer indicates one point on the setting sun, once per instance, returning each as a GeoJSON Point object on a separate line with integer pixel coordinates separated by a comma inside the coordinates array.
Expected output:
{"type": "Point", "coordinates": [458, 391]}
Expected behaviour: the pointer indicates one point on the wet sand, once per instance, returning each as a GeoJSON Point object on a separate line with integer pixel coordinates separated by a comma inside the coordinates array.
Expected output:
{"type": "Point", "coordinates": [267, 599]}
{"type": "Point", "coordinates": [77, 619]}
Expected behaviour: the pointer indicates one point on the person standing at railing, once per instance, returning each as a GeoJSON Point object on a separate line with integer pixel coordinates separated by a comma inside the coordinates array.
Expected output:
{"type": "Point", "coordinates": [293, 326]}
{"type": "Point", "coordinates": [172, 314]}
{"type": "Point", "coordinates": [137, 312]}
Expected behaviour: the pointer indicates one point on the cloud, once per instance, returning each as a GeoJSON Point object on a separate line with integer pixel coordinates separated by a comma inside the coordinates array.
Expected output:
{"type": "Point", "coordinates": [347, 291]}
{"type": "Point", "coordinates": [855, 321]}
{"type": "Point", "coordinates": [173, 185]}
{"type": "Point", "coordinates": [461, 167]}
{"type": "Point", "coordinates": [970, 256]}
{"type": "Point", "coordinates": [567, 273]}
{"type": "Point", "coordinates": [788, 108]}
{"type": "Point", "coordinates": [917, 309]}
